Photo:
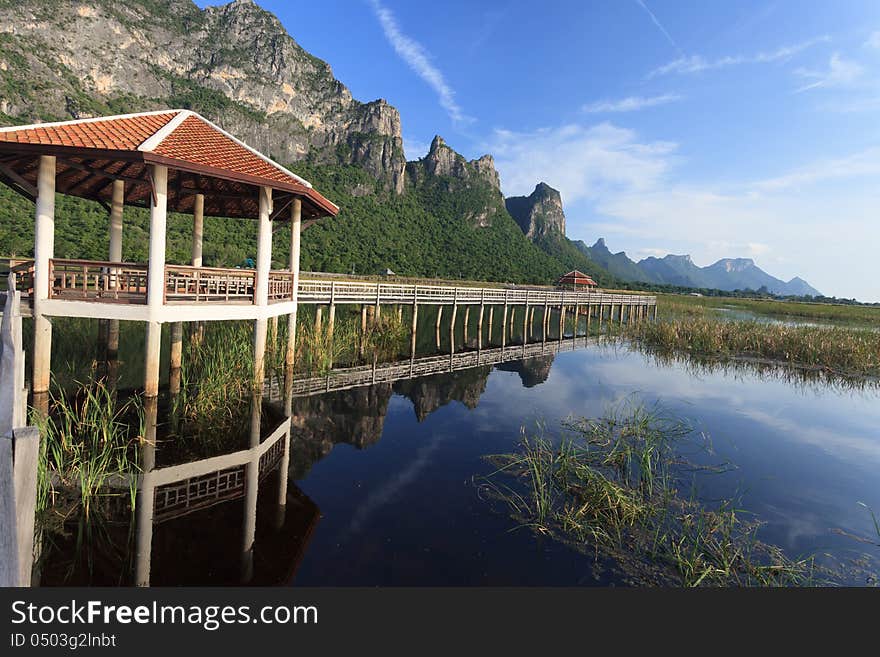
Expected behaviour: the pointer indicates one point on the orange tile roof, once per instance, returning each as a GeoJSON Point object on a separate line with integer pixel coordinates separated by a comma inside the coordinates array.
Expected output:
{"type": "Point", "coordinates": [196, 141]}
{"type": "Point", "coordinates": [124, 133]}
{"type": "Point", "coordinates": [171, 137]}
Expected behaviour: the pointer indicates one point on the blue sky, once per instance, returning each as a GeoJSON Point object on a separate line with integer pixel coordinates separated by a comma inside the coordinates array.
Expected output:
{"type": "Point", "coordinates": [719, 129]}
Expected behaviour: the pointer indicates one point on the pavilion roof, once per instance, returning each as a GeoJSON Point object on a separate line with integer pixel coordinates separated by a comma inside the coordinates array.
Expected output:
{"type": "Point", "coordinates": [201, 158]}
{"type": "Point", "coordinates": [575, 277]}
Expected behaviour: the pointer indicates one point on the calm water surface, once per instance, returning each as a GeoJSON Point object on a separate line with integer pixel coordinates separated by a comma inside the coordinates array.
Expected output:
{"type": "Point", "coordinates": [399, 494]}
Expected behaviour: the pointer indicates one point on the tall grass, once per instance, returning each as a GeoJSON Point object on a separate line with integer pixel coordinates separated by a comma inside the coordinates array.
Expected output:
{"type": "Point", "coordinates": [847, 351]}
{"type": "Point", "coordinates": [686, 304]}
{"type": "Point", "coordinates": [87, 439]}
{"type": "Point", "coordinates": [611, 486]}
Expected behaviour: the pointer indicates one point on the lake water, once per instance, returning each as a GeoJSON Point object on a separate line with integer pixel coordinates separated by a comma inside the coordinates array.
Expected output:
{"type": "Point", "coordinates": [387, 481]}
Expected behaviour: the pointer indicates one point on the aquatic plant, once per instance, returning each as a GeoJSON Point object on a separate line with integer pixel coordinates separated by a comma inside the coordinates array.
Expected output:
{"type": "Point", "coordinates": [611, 486]}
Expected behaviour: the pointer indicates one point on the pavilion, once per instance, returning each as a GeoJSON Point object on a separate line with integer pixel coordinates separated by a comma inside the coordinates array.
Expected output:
{"type": "Point", "coordinates": [166, 160]}
{"type": "Point", "coordinates": [575, 279]}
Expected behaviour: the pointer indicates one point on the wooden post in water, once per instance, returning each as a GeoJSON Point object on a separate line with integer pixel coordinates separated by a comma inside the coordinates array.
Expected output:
{"type": "Point", "coordinates": [467, 319]}
{"type": "Point", "coordinates": [437, 327]}
{"type": "Point", "coordinates": [562, 316]}
{"type": "Point", "coordinates": [525, 335]}
{"type": "Point", "coordinates": [504, 321]}
{"type": "Point", "coordinates": [577, 319]}
{"type": "Point", "coordinates": [331, 321]}
{"type": "Point", "coordinates": [480, 320]}
{"type": "Point", "coordinates": [415, 323]}
{"type": "Point", "coordinates": [491, 318]}
{"type": "Point", "coordinates": [363, 328]}
{"type": "Point", "coordinates": [452, 324]}
{"type": "Point", "coordinates": [378, 310]}
{"type": "Point", "coordinates": [176, 357]}
{"type": "Point", "coordinates": [319, 319]}
{"type": "Point", "coordinates": [293, 265]}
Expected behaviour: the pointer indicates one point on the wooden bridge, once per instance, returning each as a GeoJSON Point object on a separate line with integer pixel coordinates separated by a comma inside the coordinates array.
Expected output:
{"type": "Point", "coordinates": [90, 283]}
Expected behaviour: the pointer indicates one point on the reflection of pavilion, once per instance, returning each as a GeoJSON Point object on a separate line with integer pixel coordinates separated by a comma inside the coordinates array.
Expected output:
{"type": "Point", "coordinates": [168, 494]}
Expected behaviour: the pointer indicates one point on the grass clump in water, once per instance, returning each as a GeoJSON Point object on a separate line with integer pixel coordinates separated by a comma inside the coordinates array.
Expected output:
{"type": "Point", "coordinates": [612, 486]}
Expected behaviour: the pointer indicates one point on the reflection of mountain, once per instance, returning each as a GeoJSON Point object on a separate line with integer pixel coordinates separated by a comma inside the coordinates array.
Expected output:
{"type": "Point", "coordinates": [429, 393]}
{"type": "Point", "coordinates": [354, 417]}
{"type": "Point", "coordinates": [532, 372]}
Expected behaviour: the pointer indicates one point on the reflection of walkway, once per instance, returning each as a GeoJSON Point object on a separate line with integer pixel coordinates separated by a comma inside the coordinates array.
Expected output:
{"type": "Point", "coordinates": [365, 375]}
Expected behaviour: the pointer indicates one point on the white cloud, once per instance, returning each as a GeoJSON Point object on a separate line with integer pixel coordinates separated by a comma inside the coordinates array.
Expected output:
{"type": "Point", "coordinates": [418, 59]}
{"type": "Point", "coordinates": [414, 149]}
{"type": "Point", "coordinates": [855, 165]}
{"type": "Point", "coordinates": [841, 73]}
{"type": "Point", "coordinates": [698, 63]}
{"type": "Point", "coordinates": [579, 161]}
{"type": "Point", "coordinates": [630, 104]}
{"type": "Point", "coordinates": [633, 192]}
{"type": "Point", "coordinates": [873, 40]}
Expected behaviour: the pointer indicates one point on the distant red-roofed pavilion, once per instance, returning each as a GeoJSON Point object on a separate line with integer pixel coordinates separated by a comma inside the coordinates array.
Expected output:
{"type": "Point", "coordinates": [163, 160]}
{"type": "Point", "coordinates": [576, 279]}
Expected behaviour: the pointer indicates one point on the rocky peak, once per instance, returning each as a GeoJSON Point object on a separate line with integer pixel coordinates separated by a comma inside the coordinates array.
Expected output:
{"type": "Point", "coordinates": [233, 63]}
{"type": "Point", "coordinates": [734, 264]}
{"type": "Point", "coordinates": [539, 214]}
{"type": "Point", "coordinates": [600, 244]}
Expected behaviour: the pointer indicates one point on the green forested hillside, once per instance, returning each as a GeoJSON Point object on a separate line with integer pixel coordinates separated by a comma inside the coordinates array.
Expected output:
{"type": "Point", "coordinates": [423, 232]}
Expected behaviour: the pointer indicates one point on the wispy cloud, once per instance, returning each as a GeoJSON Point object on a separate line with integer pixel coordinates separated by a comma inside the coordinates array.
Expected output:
{"type": "Point", "coordinates": [855, 165]}
{"type": "Point", "coordinates": [840, 73]}
{"type": "Point", "coordinates": [699, 63]}
{"type": "Point", "coordinates": [873, 40]}
{"type": "Point", "coordinates": [418, 59]}
{"type": "Point", "coordinates": [630, 104]}
{"type": "Point", "coordinates": [659, 25]}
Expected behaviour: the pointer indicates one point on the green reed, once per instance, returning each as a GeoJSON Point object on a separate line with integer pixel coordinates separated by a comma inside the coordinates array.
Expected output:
{"type": "Point", "coordinates": [611, 486]}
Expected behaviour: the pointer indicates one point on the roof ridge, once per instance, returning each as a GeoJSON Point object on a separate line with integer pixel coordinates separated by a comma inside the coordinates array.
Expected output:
{"type": "Point", "coordinates": [93, 119]}
{"type": "Point", "coordinates": [153, 141]}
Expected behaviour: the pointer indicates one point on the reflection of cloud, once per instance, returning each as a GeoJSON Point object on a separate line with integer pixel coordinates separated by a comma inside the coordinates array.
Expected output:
{"type": "Point", "coordinates": [385, 493]}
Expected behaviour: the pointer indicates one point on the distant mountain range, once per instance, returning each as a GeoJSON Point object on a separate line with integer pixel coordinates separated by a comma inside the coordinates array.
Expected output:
{"type": "Point", "coordinates": [726, 274]}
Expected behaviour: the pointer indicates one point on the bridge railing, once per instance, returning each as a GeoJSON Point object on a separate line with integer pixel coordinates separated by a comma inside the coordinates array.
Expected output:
{"type": "Point", "coordinates": [209, 284]}
{"type": "Point", "coordinates": [97, 280]}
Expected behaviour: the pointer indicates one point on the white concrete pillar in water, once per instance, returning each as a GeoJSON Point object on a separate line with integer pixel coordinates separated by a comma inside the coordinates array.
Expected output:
{"type": "Point", "coordinates": [115, 255]}
{"type": "Point", "coordinates": [156, 276]}
{"type": "Point", "coordinates": [44, 251]}
{"type": "Point", "coordinates": [261, 291]}
{"type": "Point", "coordinates": [146, 496]}
{"type": "Point", "coordinates": [251, 491]}
{"type": "Point", "coordinates": [293, 265]}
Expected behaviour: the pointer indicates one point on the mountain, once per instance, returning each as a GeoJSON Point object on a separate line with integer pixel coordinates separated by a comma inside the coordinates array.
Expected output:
{"type": "Point", "coordinates": [726, 274]}
{"type": "Point", "coordinates": [540, 213]}
{"type": "Point", "coordinates": [541, 218]}
{"type": "Point", "coordinates": [441, 215]}
{"type": "Point", "coordinates": [618, 264]}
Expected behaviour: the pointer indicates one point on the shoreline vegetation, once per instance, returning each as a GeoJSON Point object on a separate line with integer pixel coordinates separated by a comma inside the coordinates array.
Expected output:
{"type": "Point", "coordinates": [623, 488]}
{"type": "Point", "coordinates": [691, 327]}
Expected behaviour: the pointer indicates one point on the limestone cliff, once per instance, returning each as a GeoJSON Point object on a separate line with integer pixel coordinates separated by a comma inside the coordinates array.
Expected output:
{"type": "Point", "coordinates": [539, 214]}
{"type": "Point", "coordinates": [234, 63]}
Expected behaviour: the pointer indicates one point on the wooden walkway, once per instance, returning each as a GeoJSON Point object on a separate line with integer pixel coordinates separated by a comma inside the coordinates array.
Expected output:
{"type": "Point", "coordinates": [126, 283]}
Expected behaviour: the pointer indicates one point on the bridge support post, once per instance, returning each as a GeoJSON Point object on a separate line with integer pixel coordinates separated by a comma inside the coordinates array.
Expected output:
{"type": "Point", "coordinates": [525, 335]}
{"type": "Point", "coordinates": [504, 323]}
{"type": "Point", "coordinates": [562, 317]}
{"type": "Point", "coordinates": [251, 490]}
{"type": "Point", "coordinates": [452, 325]}
{"type": "Point", "coordinates": [480, 321]}
{"type": "Point", "coordinates": [415, 325]}
{"type": "Point", "coordinates": [577, 319]}
{"type": "Point", "coordinates": [261, 292]}
{"type": "Point", "coordinates": [44, 251]}
{"type": "Point", "coordinates": [467, 320]}
{"type": "Point", "coordinates": [437, 326]}
{"type": "Point", "coordinates": [512, 320]}
{"type": "Point", "coordinates": [156, 277]}
{"type": "Point", "coordinates": [491, 318]}
{"type": "Point", "coordinates": [293, 265]}
{"type": "Point", "coordinates": [146, 495]}
{"type": "Point", "coordinates": [176, 357]}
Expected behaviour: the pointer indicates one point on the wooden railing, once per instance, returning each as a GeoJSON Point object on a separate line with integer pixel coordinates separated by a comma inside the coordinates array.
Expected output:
{"type": "Point", "coordinates": [280, 286]}
{"type": "Point", "coordinates": [123, 282]}
{"type": "Point", "coordinates": [209, 284]}
{"type": "Point", "coordinates": [24, 276]}
{"type": "Point", "coordinates": [319, 291]}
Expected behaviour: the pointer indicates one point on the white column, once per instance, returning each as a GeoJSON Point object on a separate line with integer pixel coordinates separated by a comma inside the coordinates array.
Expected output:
{"type": "Point", "coordinates": [44, 249]}
{"type": "Point", "coordinates": [156, 277]}
{"type": "Point", "coordinates": [261, 293]}
{"type": "Point", "coordinates": [198, 229]}
{"type": "Point", "coordinates": [116, 220]}
{"type": "Point", "coordinates": [264, 247]}
{"type": "Point", "coordinates": [295, 230]}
